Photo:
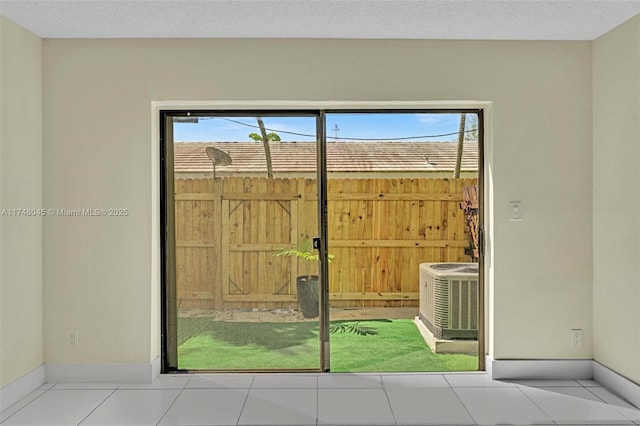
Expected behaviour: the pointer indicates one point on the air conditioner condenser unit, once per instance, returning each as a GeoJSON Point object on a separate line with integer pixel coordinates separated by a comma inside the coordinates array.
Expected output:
{"type": "Point", "coordinates": [449, 299]}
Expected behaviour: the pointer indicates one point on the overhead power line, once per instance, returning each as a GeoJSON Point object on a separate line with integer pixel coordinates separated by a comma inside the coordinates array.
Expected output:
{"type": "Point", "coordinates": [342, 138]}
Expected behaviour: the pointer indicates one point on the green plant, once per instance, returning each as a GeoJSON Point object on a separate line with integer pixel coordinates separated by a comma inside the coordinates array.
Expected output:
{"type": "Point", "coordinates": [352, 327]}
{"type": "Point", "coordinates": [304, 251]}
{"type": "Point", "coordinates": [265, 138]}
{"type": "Point", "coordinates": [271, 137]}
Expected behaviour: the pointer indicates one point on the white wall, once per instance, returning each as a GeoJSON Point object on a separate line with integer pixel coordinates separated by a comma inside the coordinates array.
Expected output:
{"type": "Point", "coordinates": [616, 199]}
{"type": "Point", "coordinates": [21, 292]}
{"type": "Point", "coordinates": [97, 129]}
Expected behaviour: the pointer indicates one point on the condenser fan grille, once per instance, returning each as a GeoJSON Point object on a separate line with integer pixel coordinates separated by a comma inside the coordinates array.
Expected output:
{"type": "Point", "coordinates": [445, 266]}
{"type": "Point", "coordinates": [449, 299]}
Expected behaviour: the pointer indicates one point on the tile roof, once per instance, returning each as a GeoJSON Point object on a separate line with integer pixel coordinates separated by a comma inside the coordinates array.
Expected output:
{"type": "Point", "coordinates": [341, 156]}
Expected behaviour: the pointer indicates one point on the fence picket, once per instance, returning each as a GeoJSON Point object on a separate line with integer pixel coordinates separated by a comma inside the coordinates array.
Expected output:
{"type": "Point", "coordinates": [229, 230]}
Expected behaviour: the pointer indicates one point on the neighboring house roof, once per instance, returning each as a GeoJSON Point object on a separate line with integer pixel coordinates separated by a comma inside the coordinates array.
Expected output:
{"type": "Point", "coordinates": [190, 157]}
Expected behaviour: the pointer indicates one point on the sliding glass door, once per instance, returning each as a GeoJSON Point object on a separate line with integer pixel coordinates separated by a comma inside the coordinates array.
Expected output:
{"type": "Point", "coordinates": [245, 213]}
{"type": "Point", "coordinates": [345, 241]}
{"type": "Point", "coordinates": [396, 182]}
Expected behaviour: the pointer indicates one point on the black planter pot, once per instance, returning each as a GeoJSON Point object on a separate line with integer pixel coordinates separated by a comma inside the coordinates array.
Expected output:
{"type": "Point", "coordinates": [308, 295]}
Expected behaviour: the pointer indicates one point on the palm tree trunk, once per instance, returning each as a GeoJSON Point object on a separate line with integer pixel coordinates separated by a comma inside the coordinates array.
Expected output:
{"type": "Point", "coordinates": [456, 171]}
{"type": "Point", "coordinates": [267, 149]}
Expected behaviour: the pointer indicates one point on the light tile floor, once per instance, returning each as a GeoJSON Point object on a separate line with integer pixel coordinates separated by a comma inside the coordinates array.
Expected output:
{"type": "Point", "coordinates": [323, 399]}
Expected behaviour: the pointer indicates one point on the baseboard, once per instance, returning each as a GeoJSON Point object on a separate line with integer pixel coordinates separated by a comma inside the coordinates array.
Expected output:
{"type": "Point", "coordinates": [617, 383]}
{"type": "Point", "coordinates": [155, 368]}
{"type": "Point", "coordinates": [514, 369]}
{"type": "Point", "coordinates": [114, 373]}
{"type": "Point", "coordinates": [21, 387]}
{"type": "Point", "coordinates": [488, 365]}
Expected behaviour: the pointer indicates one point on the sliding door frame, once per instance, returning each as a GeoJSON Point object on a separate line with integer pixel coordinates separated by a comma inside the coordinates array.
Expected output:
{"type": "Point", "coordinates": [168, 293]}
{"type": "Point", "coordinates": [481, 191]}
{"type": "Point", "coordinates": [169, 356]}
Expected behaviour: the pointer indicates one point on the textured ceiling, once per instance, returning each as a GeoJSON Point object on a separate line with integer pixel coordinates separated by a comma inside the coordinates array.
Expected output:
{"type": "Point", "coordinates": [384, 19]}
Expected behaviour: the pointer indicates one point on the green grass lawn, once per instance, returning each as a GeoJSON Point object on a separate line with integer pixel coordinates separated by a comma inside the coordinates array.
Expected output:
{"type": "Point", "coordinates": [396, 346]}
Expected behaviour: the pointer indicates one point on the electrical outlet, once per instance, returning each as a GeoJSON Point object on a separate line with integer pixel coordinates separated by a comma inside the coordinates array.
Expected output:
{"type": "Point", "coordinates": [515, 211]}
{"type": "Point", "coordinates": [72, 338]}
{"type": "Point", "coordinates": [576, 338]}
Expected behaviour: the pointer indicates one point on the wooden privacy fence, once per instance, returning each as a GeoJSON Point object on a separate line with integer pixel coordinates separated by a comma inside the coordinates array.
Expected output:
{"type": "Point", "coordinates": [229, 230]}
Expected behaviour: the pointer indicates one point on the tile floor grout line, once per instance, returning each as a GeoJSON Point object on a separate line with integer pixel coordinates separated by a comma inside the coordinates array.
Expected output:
{"type": "Point", "coordinates": [384, 389]}
{"type": "Point", "coordinates": [170, 405]}
{"type": "Point", "coordinates": [597, 396]}
{"type": "Point", "coordinates": [444, 376]}
{"type": "Point", "coordinates": [485, 387]}
{"type": "Point", "coordinates": [539, 407]}
{"type": "Point", "coordinates": [616, 395]}
{"type": "Point", "coordinates": [97, 406]}
{"type": "Point", "coordinates": [186, 385]}
{"type": "Point", "coordinates": [461, 402]}
{"type": "Point", "coordinates": [459, 399]}
{"type": "Point", "coordinates": [246, 398]}
{"type": "Point", "coordinates": [615, 407]}
{"type": "Point", "coordinates": [602, 401]}
{"type": "Point", "coordinates": [26, 405]}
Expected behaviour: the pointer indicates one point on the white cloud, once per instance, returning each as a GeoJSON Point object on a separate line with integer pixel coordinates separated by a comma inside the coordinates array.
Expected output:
{"type": "Point", "coordinates": [429, 118]}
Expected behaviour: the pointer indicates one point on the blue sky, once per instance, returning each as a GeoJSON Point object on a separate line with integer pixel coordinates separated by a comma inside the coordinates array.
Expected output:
{"type": "Point", "coordinates": [367, 126]}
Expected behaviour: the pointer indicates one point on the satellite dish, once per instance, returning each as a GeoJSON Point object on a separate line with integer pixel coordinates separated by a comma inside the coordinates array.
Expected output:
{"type": "Point", "coordinates": [218, 158]}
